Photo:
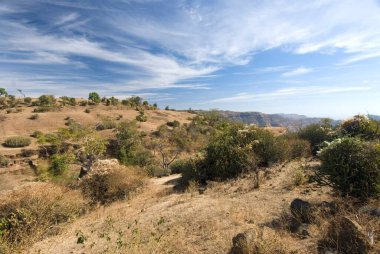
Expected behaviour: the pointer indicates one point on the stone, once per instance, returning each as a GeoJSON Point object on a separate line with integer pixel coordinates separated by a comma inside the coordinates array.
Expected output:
{"type": "Point", "coordinates": [242, 243]}
{"type": "Point", "coordinates": [346, 236]}
{"type": "Point", "coordinates": [301, 210]}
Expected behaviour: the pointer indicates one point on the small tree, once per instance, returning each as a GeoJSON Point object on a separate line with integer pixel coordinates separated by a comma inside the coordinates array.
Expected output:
{"type": "Point", "coordinates": [94, 97]}
{"type": "Point", "coordinates": [169, 143]}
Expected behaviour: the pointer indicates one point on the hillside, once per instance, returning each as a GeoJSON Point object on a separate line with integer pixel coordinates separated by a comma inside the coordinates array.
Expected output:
{"type": "Point", "coordinates": [15, 124]}
{"type": "Point", "coordinates": [160, 220]}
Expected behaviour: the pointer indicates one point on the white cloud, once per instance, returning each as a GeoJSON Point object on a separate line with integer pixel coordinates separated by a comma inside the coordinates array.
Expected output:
{"type": "Point", "coordinates": [291, 91]}
{"type": "Point", "coordinates": [67, 18]}
{"type": "Point", "coordinates": [193, 40]}
{"type": "Point", "coordinates": [296, 72]}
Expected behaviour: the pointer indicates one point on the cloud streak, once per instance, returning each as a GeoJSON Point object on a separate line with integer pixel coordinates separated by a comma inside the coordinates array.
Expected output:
{"type": "Point", "coordinates": [289, 92]}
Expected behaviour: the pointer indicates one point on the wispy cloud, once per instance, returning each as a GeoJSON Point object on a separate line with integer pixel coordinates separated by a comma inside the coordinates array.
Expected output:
{"type": "Point", "coordinates": [296, 72]}
{"type": "Point", "coordinates": [176, 44]}
{"type": "Point", "coordinates": [291, 91]}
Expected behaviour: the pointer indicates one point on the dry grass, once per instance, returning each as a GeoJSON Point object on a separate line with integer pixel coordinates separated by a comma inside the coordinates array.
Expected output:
{"type": "Point", "coordinates": [108, 181]}
{"type": "Point", "coordinates": [163, 221]}
{"type": "Point", "coordinates": [34, 212]}
{"type": "Point", "coordinates": [20, 124]}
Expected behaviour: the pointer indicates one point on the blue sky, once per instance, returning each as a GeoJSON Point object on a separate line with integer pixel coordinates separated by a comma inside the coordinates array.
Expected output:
{"type": "Point", "coordinates": [319, 58]}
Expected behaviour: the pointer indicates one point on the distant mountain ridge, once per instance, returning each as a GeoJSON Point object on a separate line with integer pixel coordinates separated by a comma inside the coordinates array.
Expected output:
{"type": "Point", "coordinates": [291, 121]}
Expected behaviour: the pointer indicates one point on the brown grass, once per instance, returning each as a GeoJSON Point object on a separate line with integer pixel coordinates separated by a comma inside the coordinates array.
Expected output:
{"type": "Point", "coordinates": [34, 212]}
{"type": "Point", "coordinates": [161, 221]}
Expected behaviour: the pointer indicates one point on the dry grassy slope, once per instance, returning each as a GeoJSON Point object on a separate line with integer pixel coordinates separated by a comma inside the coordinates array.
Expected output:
{"type": "Point", "coordinates": [159, 221]}
{"type": "Point", "coordinates": [20, 124]}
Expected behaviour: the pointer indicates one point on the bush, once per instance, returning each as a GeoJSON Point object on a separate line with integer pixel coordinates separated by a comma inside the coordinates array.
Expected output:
{"type": "Point", "coordinates": [29, 214]}
{"type": "Point", "coordinates": [316, 134]}
{"type": "Point", "coordinates": [352, 166]}
{"type": "Point", "coordinates": [3, 161]}
{"type": "Point", "coordinates": [178, 166]}
{"type": "Point", "coordinates": [141, 117]}
{"type": "Point", "coordinates": [87, 110]}
{"type": "Point", "coordinates": [108, 181]}
{"type": "Point", "coordinates": [60, 163]}
{"type": "Point", "coordinates": [17, 141]}
{"type": "Point", "coordinates": [46, 100]}
{"type": "Point", "coordinates": [229, 153]}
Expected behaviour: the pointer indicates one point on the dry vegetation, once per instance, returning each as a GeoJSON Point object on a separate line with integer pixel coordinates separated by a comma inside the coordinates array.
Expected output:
{"type": "Point", "coordinates": [83, 186]}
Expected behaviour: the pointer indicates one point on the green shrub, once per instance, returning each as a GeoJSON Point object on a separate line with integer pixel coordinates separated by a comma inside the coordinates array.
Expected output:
{"type": "Point", "coordinates": [141, 117]}
{"type": "Point", "coordinates": [46, 100]}
{"type": "Point", "coordinates": [178, 166]}
{"type": "Point", "coordinates": [3, 161]}
{"type": "Point", "coordinates": [316, 134]}
{"type": "Point", "coordinates": [229, 153]}
{"type": "Point", "coordinates": [17, 141]}
{"type": "Point", "coordinates": [87, 110]}
{"type": "Point", "coordinates": [108, 181]}
{"type": "Point", "coordinates": [60, 163]}
{"type": "Point", "coordinates": [352, 166]}
{"type": "Point", "coordinates": [34, 212]}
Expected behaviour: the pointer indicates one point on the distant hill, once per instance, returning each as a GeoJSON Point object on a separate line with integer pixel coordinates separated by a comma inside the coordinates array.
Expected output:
{"type": "Point", "coordinates": [290, 121]}
{"type": "Point", "coordinates": [374, 117]}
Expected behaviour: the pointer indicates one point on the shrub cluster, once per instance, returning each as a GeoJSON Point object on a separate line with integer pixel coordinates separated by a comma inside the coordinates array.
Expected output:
{"type": "Point", "coordinates": [234, 149]}
{"type": "Point", "coordinates": [17, 141]}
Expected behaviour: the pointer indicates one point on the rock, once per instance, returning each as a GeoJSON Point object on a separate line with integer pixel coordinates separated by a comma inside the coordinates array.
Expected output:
{"type": "Point", "coordinates": [301, 210]}
{"type": "Point", "coordinates": [346, 236]}
{"type": "Point", "coordinates": [242, 243]}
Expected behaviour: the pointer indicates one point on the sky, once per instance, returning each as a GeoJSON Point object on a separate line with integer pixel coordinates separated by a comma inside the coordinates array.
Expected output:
{"type": "Point", "coordinates": [317, 58]}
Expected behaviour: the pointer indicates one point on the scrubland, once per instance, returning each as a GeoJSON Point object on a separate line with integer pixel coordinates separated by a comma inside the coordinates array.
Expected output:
{"type": "Point", "coordinates": [121, 176]}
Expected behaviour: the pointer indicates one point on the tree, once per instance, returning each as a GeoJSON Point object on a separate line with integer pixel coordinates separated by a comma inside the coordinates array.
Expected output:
{"type": "Point", "coordinates": [169, 143]}
{"type": "Point", "coordinates": [20, 91]}
{"type": "Point", "coordinates": [3, 92]}
{"type": "Point", "coordinates": [94, 97]}
{"type": "Point", "coordinates": [130, 149]}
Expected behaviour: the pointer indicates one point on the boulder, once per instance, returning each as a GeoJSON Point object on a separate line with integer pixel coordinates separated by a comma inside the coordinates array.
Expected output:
{"type": "Point", "coordinates": [243, 243]}
{"type": "Point", "coordinates": [301, 210]}
{"type": "Point", "coordinates": [346, 236]}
